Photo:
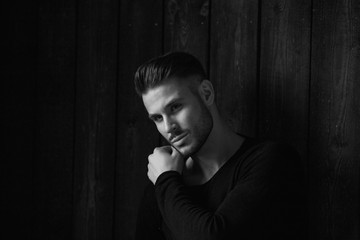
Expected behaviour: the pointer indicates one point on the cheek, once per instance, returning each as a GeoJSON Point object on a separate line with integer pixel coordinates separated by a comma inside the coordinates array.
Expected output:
{"type": "Point", "coordinates": [160, 129]}
{"type": "Point", "coordinates": [188, 118]}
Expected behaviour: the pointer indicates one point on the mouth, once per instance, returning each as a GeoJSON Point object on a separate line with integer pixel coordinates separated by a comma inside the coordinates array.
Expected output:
{"type": "Point", "coordinates": [178, 138]}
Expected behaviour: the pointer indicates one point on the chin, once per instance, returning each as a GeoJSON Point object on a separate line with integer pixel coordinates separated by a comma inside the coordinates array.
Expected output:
{"type": "Point", "coordinates": [187, 150]}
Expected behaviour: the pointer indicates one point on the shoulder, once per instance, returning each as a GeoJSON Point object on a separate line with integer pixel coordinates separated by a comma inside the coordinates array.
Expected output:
{"type": "Point", "coordinates": [272, 150]}
{"type": "Point", "coordinates": [270, 157]}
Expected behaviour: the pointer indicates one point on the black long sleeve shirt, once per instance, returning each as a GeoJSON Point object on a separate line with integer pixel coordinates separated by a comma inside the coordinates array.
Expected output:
{"type": "Point", "coordinates": [257, 194]}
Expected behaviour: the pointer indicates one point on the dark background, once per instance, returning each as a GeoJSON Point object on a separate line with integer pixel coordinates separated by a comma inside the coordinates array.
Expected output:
{"type": "Point", "coordinates": [77, 137]}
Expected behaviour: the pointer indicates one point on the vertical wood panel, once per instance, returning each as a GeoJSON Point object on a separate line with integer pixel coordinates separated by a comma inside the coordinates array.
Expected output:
{"type": "Point", "coordinates": [18, 76]}
{"type": "Point", "coordinates": [112, 134]}
{"type": "Point", "coordinates": [284, 71]}
{"type": "Point", "coordinates": [334, 120]}
{"type": "Point", "coordinates": [187, 28]}
{"type": "Point", "coordinates": [233, 61]}
{"type": "Point", "coordinates": [95, 119]}
{"type": "Point", "coordinates": [140, 39]}
{"type": "Point", "coordinates": [53, 162]}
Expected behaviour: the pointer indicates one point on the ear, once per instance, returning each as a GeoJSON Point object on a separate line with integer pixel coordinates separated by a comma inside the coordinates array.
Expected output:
{"type": "Point", "coordinates": [207, 92]}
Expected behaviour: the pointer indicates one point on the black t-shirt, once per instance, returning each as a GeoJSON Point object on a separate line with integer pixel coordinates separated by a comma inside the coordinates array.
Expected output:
{"type": "Point", "coordinates": [257, 194]}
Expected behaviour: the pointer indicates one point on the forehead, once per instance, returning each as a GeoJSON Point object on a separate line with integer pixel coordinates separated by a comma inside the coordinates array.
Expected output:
{"type": "Point", "coordinates": [159, 96]}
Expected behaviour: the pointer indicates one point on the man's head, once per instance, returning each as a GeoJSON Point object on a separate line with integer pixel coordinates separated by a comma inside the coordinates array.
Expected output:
{"type": "Point", "coordinates": [178, 99]}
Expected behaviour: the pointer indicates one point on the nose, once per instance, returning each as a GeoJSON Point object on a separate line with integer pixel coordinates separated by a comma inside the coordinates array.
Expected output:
{"type": "Point", "coordinates": [170, 125]}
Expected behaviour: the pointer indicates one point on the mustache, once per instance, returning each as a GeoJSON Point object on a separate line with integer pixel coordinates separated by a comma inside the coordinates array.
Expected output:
{"type": "Point", "coordinates": [175, 134]}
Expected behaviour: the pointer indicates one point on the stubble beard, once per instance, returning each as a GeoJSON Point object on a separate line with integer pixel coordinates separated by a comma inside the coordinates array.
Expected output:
{"type": "Point", "coordinates": [200, 132]}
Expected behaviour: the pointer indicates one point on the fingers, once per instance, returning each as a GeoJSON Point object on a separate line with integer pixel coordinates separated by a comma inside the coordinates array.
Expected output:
{"type": "Point", "coordinates": [175, 152]}
{"type": "Point", "coordinates": [166, 158]}
{"type": "Point", "coordinates": [150, 173]}
{"type": "Point", "coordinates": [167, 149]}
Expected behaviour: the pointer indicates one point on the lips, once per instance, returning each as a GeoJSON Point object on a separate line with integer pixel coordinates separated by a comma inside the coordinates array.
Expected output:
{"type": "Point", "coordinates": [177, 138]}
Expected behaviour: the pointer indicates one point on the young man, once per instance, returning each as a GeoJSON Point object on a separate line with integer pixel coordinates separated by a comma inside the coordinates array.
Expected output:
{"type": "Point", "coordinates": [210, 182]}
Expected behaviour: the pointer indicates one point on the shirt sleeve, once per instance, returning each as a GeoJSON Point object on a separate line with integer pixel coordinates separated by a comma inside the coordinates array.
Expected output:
{"type": "Point", "coordinates": [261, 205]}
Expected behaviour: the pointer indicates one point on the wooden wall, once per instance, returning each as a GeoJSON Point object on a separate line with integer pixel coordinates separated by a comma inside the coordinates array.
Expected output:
{"type": "Point", "coordinates": [286, 70]}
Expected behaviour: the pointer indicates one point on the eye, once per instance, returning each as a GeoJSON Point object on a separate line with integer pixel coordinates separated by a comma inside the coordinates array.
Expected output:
{"type": "Point", "coordinates": [175, 107]}
{"type": "Point", "coordinates": [156, 118]}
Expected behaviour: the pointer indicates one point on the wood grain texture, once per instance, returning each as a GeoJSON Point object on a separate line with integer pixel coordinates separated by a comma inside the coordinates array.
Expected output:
{"type": "Point", "coordinates": [140, 31]}
{"type": "Point", "coordinates": [54, 142]}
{"type": "Point", "coordinates": [18, 77]}
{"type": "Point", "coordinates": [95, 119]}
{"type": "Point", "coordinates": [233, 62]}
{"type": "Point", "coordinates": [334, 161]}
{"type": "Point", "coordinates": [187, 28]}
{"type": "Point", "coordinates": [92, 131]}
{"type": "Point", "coordinates": [284, 72]}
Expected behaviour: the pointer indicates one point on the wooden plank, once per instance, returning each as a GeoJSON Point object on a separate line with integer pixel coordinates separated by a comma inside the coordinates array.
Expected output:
{"type": "Point", "coordinates": [284, 72]}
{"type": "Point", "coordinates": [233, 62]}
{"type": "Point", "coordinates": [18, 77]}
{"type": "Point", "coordinates": [54, 128]}
{"type": "Point", "coordinates": [187, 28]}
{"type": "Point", "coordinates": [334, 121]}
{"type": "Point", "coordinates": [140, 29]}
{"type": "Point", "coordinates": [95, 141]}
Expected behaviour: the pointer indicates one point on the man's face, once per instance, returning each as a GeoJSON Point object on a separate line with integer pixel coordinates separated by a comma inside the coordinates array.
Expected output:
{"type": "Point", "coordinates": [179, 114]}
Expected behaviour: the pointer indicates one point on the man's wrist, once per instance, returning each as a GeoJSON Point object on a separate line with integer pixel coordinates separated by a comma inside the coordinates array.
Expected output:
{"type": "Point", "coordinates": [164, 176]}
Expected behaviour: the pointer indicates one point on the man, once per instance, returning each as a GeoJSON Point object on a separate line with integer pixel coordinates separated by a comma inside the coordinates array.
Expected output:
{"type": "Point", "coordinates": [210, 182]}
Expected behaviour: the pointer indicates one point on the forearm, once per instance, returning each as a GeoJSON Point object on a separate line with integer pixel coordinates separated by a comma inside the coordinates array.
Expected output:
{"type": "Point", "coordinates": [186, 218]}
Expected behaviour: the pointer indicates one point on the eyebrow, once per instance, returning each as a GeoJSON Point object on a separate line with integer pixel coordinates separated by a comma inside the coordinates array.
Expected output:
{"type": "Point", "coordinates": [172, 101]}
{"type": "Point", "coordinates": [151, 116]}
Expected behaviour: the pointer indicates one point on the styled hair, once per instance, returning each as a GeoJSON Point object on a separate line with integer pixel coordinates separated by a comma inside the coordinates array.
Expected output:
{"type": "Point", "coordinates": [179, 65]}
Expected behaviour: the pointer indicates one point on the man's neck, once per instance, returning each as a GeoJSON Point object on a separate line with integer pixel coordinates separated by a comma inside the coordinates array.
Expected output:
{"type": "Point", "coordinates": [221, 144]}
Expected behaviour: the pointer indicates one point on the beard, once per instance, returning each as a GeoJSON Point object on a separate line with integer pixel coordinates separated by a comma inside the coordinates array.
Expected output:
{"type": "Point", "coordinates": [198, 134]}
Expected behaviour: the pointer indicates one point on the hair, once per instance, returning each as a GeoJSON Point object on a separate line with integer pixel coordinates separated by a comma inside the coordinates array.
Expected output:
{"type": "Point", "coordinates": [178, 65]}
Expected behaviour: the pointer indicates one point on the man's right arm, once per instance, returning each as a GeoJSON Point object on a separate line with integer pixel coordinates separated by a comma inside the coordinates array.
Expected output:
{"type": "Point", "coordinates": [263, 204]}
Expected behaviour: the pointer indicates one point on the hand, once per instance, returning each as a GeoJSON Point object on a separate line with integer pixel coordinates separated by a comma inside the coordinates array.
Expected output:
{"type": "Point", "coordinates": [163, 159]}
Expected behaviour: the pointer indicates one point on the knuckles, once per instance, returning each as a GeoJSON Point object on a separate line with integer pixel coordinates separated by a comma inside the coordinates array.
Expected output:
{"type": "Point", "coordinates": [163, 149]}
{"type": "Point", "coordinates": [158, 150]}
